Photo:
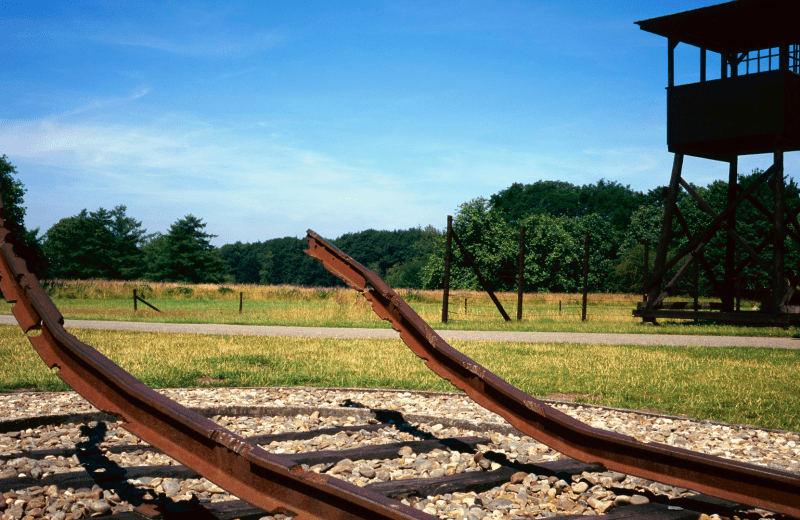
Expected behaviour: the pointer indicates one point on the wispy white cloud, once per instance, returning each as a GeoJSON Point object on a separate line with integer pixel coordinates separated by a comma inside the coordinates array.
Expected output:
{"type": "Point", "coordinates": [177, 34]}
{"type": "Point", "coordinates": [254, 186]}
{"type": "Point", "coordinates": [108, 102]}
{"type": "Point", "coordinates": [250, 182]}
{"type": "Point", "coordinates": [192, 167]}
{"type": "Point", "coordinates": [206, 45]}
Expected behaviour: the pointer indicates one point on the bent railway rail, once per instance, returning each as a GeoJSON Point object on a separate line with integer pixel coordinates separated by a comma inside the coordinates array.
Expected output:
{"type": "Point", "coordinates": [137, 481]}
{"type": "Point", "coordinates": [276, 483]}
{"type": "Point", "coordinates": [265, 480]}
{"type": "Point", "coordinates": [756, 486]}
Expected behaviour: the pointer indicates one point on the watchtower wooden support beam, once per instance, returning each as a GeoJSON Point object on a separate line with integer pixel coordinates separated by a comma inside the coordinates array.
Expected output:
{"type": "Point", "coordinates": [753, 108]}
{"type": "Point", "coordinates": [779, 285]}
{"type": "Point", "coordinates": [730, 244]}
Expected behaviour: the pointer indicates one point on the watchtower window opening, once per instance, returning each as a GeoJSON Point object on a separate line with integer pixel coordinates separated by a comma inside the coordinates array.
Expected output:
{"type": "Point", "coordinates": [765, 60]}
{"type": "Point", "coordinates": [794, 58]}
{"type": "Point", "coordinates": [761, 60]}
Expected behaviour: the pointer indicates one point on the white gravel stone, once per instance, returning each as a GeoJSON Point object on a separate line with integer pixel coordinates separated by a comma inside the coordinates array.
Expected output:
{"type": "Point", "coordinates": [527, 496]}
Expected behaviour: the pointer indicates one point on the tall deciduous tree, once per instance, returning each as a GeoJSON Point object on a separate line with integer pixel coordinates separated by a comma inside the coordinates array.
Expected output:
{"type": "Point", "coordinates": [611, 201]}
{"type": "Point", "coordinates": [554, 251]}
{"type": "Point", "coordinates": [185, 254]}
{"type": "Point", "coordinates": [27, 243]}
{"type": "Point", "coordinates": [488, 238]}
{"type": "Point", "coordinates": [557, 198]}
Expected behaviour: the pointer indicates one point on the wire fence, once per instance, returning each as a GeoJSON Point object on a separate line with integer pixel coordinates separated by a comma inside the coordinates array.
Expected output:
{"type": "Point", "coordinates": [472, 305]}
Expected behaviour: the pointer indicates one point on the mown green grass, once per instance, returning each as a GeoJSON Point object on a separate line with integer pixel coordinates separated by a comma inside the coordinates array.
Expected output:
{"type": "Point", "coordinates": [739, 385]}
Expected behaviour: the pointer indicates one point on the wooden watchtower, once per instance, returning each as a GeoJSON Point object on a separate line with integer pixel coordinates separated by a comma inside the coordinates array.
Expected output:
{"type": "Point", "coordinates": [753, 108]}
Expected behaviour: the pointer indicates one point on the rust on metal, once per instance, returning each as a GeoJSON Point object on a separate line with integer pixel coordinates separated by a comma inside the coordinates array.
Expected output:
{"type": "Point", "coordinates": [755, 486]}
{"type": "Point", "coordinates": [266, 481]}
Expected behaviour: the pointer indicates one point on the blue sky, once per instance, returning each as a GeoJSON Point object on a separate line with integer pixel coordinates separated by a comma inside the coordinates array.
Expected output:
{"type": "Point", "coordinates": [267, 118]}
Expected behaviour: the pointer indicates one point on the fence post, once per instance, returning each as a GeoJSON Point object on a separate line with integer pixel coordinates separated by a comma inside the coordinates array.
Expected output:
{"type": "Point", "coordinates": [521, 264]}
{"type": "Point", "coordinates": [137, 298]}
{"type": "Point", "coordinates": [448, 253]}
{"type": "Point", "coordinates": [240, 302]}
{"type": "Point", "coordinates": [696, 288]}
{"type": "Point", "coordinates": [585, 274]}
{"type": "Point", "coordinates": [481, 280]}
{"type": "Point", "coordinates": [738, 286]}
{"type": "Point", "coordinates": [646, 268]}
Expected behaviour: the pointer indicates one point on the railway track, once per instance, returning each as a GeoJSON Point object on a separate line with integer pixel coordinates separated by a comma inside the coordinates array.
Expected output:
{"type": "Point", "coordinates": [451, 468]}
{"type": "Point", "coordinates": [295, 485]}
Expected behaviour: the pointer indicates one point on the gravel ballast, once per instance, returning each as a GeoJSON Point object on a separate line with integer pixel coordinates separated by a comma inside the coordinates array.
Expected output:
{"type": "Point", "coordinates": [428, 415]}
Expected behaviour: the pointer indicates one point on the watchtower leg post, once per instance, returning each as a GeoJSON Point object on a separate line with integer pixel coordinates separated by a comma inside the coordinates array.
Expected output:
{"type": "Point", "coordinates": [666, 231]}
{"type": "Point", "coordinates": [778, 285]}
{"type": "Point", "coordinates": [730, 243]}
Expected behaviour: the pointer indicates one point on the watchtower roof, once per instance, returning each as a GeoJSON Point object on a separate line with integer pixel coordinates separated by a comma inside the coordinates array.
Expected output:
{"type": "Point", "coordinates": [738, 26]}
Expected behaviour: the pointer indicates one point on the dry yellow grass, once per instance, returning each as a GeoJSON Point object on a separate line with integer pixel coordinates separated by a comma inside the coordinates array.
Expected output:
{"type": "Point", "coordinates": [342, 307]}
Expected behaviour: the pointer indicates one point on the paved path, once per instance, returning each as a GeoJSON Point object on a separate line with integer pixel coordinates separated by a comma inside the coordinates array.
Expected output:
{"type": "Point", "coordinates": [459, 335]}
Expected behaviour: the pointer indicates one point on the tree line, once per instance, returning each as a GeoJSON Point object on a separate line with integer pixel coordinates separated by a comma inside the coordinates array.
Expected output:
{"type": "Point", "coordinates": [620, 222]}
{"type": "Point", "coordinates": [111, 244]}
{"type": "Point", "coordinates": [108, 244]}
{"type": "Point", "coordinates": [397, 256]}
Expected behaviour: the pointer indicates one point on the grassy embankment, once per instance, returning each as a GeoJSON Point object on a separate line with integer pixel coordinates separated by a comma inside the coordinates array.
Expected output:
{"type": "Point", "coordinates": [753, 386]}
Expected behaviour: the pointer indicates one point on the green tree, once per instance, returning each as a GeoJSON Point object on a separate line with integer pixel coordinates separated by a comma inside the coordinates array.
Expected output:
{"type": "Point", "coordinates": [242, 262]}
{"type": "Point", "coordinates": [77, 248]}
{"type": "Point", "coordinates": [604, 245]}
{"type": "Point", "coordinates": [518, 201]}
{"type": "Point", "coordinates": [288, 264]}
{"type": "Point", "coordinates": [754, 223]}
{"type": "Point", "coordinates": [185, 254]}
{"type": "Point", "coordinates": [554, 251]}
{"type": "Point", "coordinates": [610, 200]}
{"type": "Point", "coordinates": [407, 273]}
{"type": "Point", "coordinates": [490, 240]}
{"type": "Point", "coordinates": [552, 255]}
{"type": "Point", "coordinates": [398, 256]}
{"type": "Point", "coordinates": [126, 240]}
{"type": "Point", "coordinates": [645, 225]}
{"type": "Point", "coordinates": [101, 244]}
{"type": "Point", "coordinates": [27, 243]}
{"type": "Point", "coordinates": [13, 193]}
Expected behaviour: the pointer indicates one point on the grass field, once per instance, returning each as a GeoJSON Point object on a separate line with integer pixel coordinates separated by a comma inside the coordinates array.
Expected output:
{"type": "Point", "coordinates": [342, 307]}
{"type": "Point", "coordinates": [741, 385]}
{"type": "Point", "coordinates": [751, 386]}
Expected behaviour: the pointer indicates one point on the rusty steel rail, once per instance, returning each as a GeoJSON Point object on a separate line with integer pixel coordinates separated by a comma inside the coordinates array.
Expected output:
{"type": "Point", "coordinates": [267, 481]}
{"type": "Point", "coordinates": [755, 486]}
